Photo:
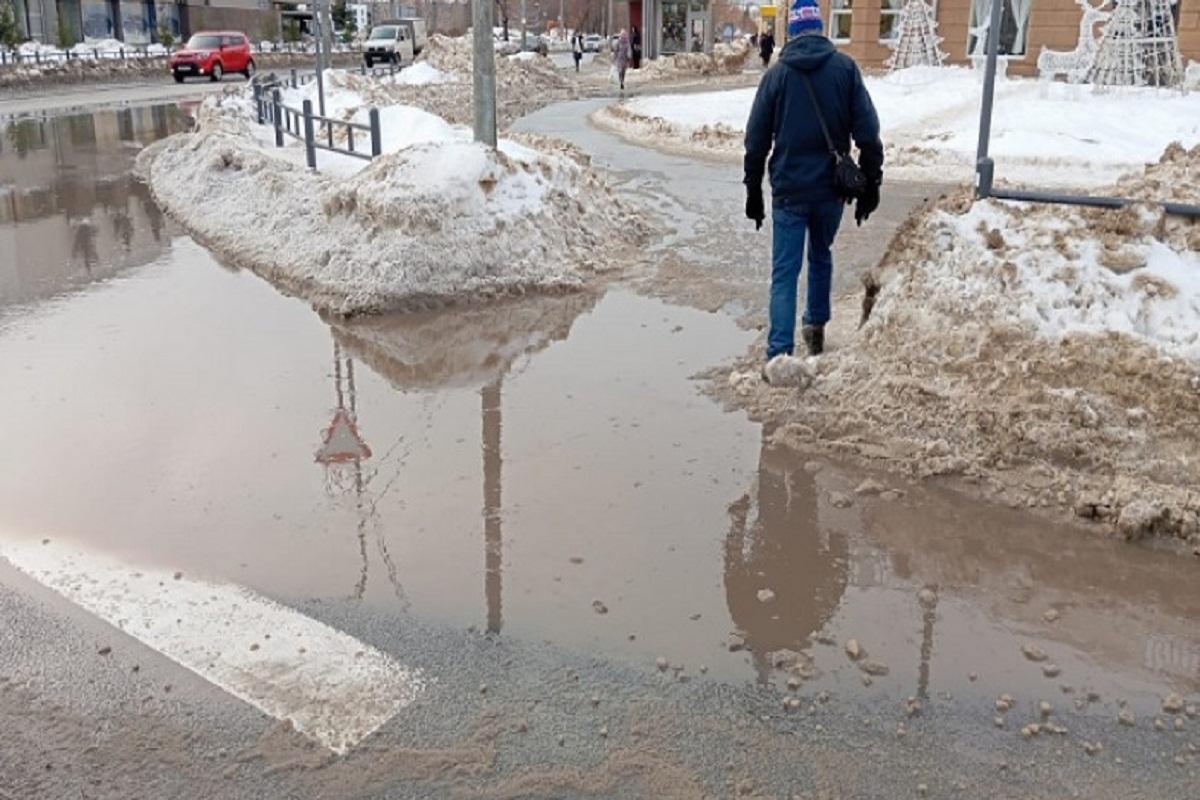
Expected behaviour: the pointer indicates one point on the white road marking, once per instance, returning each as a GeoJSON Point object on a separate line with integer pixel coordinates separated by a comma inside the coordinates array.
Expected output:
{"type": "Point", "coordinates": [332, 687]}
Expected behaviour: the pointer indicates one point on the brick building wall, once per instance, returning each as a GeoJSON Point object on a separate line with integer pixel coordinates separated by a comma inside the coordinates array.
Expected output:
{"type": "Point", "coordinates": [1053, 24]}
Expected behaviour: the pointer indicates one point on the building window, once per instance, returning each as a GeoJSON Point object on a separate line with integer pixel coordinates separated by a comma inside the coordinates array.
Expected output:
{"type": "Point", "coordinates": [889, 20]}
{"type": "Point", "coordinates": [839, 20]}
{"type": "Point", "coordinates": [1014, 27]}
{"type": "Point", "coordinates": [674, 27]}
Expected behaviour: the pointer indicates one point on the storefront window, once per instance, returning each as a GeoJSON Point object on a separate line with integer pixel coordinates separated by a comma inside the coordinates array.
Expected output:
{"type": "Point", "coordinates": [1014, 27]}
{"type": "Point", "coordinates": [68, 19]}
{"type": "Point", "coordinates": [674, 27]}
{"type": "Point", "coordinates": [137, 22]}
{"type": "Point", "coordinates": [97, 19]}
{"type": "Point", "coordinates": [167, 17]}
{"type": "Point", "coordinates": [889, 20]}
{"type": "Point", "coordinates": [840, 15]}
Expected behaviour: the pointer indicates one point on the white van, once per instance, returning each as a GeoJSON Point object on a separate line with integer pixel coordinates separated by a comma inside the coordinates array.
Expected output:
{"type": "Point", "coordinates": [389, 42]}
{"type": "Point", "coordinates": [416, 32]}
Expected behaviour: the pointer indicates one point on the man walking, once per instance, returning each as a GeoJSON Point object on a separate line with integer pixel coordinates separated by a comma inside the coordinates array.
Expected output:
{"type": "Point", "coordinates": [766, 46]}
{"type": "Point", "coordinates": [811, 80]}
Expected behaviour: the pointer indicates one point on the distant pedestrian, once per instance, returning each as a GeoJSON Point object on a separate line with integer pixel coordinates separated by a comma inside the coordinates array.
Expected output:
{"type": "Point", "coordinates": [577, 49]}
{"type": "Point", "coordinates": [808, 107]}
{"type": "Point", "coordinates": [766, 46]}
{"type": "Point", "coordinates": [621, 56]}
{"type": "Point", "coordinates": [635, 44]}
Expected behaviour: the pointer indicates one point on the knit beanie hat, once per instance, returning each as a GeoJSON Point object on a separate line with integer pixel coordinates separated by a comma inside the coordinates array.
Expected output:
{"type": "Point", "coordinates": [804, 17]}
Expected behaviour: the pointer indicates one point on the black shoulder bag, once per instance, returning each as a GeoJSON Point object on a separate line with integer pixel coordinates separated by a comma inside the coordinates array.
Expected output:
{"type": "Point", "coordinates": [849, 182]}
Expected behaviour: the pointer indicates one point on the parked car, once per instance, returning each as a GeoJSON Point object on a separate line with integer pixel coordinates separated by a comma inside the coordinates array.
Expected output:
{"type": "Point", "coordinates": [213, 53]}
{"type": "Point", "coordinates": [593, 42]}
{"type": "Point", "coordinates": [389, 42]}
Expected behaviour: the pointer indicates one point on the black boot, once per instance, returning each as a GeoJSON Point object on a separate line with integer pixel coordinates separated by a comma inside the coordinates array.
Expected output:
{"type": "Point", "coordinates": [814, 337]}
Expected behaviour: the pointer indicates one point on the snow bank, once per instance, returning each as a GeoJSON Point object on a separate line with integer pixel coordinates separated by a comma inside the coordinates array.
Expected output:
{"type": "Point", "coordinates": [1050, 353]}
{"type": "Point", "coordinates": [1044, 133]}
{"type": "Point", "coordinates": [725, 59]}
{"type": "Point", "coordinates": [437, 219]}
{"type": "Point", "coordinates": [440, 83]}
{"type": "Point", "coordinates": [422, 74]}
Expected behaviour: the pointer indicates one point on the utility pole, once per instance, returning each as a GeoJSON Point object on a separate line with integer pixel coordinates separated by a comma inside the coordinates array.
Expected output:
{"type": "Point", "coordinates": [321, 19]}
{"type": "Point", "coordinates": [484, 73]}
{"type": "Point", "coordinates": [523, 26]}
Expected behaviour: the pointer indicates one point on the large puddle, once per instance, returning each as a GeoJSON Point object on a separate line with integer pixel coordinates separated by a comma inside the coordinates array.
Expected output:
{"type": "Point", "coordinates": [542, 468]}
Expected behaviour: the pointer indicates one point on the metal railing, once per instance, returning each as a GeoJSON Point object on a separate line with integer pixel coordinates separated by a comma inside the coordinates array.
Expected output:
{"type": "Point", "coordinates": [316, 132]}
{"type": "Point", "coordinates": [985, 165]}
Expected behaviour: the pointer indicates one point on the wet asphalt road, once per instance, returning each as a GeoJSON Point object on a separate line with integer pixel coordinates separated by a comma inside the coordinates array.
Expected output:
{"type": "Point", "coordinates": [531, 692]}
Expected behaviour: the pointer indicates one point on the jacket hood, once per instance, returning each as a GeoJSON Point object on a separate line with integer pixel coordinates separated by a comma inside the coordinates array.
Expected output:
{"type": "Point", "coordinates": [807, 53]}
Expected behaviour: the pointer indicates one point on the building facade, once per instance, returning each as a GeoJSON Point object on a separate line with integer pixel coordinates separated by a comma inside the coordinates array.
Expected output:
{"type": "Point", "coordinates": [864, 28]}
{"type": "Point", "coordinates": [138, 22]}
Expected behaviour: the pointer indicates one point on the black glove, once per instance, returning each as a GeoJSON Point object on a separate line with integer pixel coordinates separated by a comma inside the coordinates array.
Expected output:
{"type": "Point", "coordinates": [867, 202]}
{"type": "Point", "coordinates": [754, 206]}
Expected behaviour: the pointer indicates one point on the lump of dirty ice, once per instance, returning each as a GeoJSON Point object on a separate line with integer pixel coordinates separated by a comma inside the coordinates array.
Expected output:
{"type": "Point", "coordinates": [785, 370]}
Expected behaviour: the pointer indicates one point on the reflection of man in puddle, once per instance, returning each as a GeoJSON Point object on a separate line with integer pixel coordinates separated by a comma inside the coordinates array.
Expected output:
{"type": "Point", "coordinates": [775, 543]}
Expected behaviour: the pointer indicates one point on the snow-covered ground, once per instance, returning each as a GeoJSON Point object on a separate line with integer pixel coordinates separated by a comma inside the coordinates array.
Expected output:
{"type": "Point", "coordinates": [1044, 133]}
{"type": "Point", "coordinates": [1050, 352]}
{"type": "Point", "coordinates": [438, 218]}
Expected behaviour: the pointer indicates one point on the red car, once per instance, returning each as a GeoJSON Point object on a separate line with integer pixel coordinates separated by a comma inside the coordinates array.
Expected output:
{"type": "Point", "coordinates": [213, 53]}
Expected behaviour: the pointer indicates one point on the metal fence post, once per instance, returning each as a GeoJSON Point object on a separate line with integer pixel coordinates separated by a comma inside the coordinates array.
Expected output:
{"type": "Point", "coordinates": [984, 165]}
{"type": "Point", "coordinates": [277, 116]}
{"type": "Point", "coordinates": [258, 115]}
{"type": "Point", "coordinates": [294, 84]}
{"type": "Point", "coordinates": [310, 141]}
{"type": "Point", "coordinates": [376, 134]}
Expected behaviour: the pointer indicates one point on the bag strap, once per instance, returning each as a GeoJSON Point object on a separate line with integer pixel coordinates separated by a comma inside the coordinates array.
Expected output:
{"type": "Point", "coordinates": [820, 117]}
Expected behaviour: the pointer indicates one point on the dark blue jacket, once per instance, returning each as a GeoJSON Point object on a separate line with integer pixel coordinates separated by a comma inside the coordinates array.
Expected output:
{"type": "Point", "coordinates": [784, 125]}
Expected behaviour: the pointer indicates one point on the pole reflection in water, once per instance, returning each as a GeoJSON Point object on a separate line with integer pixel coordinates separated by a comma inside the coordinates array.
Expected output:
{"type": "Point", "coordinates": [492, 463]}
{"type": "Point", "coordinates": [928, 618]}
{"type": "Point", "coordinates": [468, 347]}
{"type": "Point", "coordinates": [342, 454]}
{"type": "Point", "coordinates": [775, 544]}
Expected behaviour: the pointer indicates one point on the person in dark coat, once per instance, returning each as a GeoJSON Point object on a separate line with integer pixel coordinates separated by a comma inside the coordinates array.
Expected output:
{"type": "Point", "coordinates": [783, 124]}
{"type": "Point", "coordinates": [635, 48]}
{"type": "Point", "coordinates": [766, 46]}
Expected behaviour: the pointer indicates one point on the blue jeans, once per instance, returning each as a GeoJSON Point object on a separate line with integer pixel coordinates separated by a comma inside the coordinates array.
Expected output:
{"type": "Point", "coordinates": [819, 221]}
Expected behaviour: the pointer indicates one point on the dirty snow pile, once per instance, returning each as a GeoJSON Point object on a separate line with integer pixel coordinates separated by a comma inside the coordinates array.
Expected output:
{"type": "Point", "coordinates": [438, 218]}
{"type": "Point", "coordinates": [1051, 354]}
{"type": "Point", "coordinates": [709, 122]}
{"type": "Point", "coordinates": [725, 59]}
{"type": "Point", "coordinates": [1043, 132]}
{"type": "Point", "coordinates": [440, 82]}
{"type": "Point", "coordinates": [522, 84]}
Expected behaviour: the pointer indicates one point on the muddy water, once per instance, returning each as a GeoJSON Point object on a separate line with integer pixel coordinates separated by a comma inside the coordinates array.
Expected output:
{"type": "Point", "coordinates": [70, 212]}
{"type": "Point", "coordinates": [542, 468]}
